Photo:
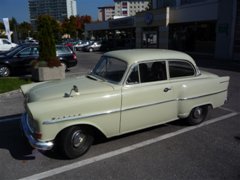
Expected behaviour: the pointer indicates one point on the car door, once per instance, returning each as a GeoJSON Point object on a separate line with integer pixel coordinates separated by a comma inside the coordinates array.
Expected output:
{"type": "Point", "coordinates": [147, 97]}
{"type": "Point", "coordinates": [24, 58]}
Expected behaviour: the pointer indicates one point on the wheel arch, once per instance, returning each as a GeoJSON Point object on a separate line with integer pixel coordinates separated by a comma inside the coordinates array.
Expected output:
{"type": "Point", "coordinates": [95, 131]}
{"type": "Point", "coordinates": [186, 113]}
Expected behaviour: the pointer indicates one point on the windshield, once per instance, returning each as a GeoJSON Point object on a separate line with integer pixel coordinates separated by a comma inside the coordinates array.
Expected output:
{"type": "Point", "coordinates": [110, 69]}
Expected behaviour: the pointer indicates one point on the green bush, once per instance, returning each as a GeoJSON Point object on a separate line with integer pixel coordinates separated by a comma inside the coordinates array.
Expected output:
{"type": "Point", "coordinates": [47, 48]}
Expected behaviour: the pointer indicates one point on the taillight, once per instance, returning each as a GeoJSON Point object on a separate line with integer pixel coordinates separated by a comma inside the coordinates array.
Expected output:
{"type": "Point", "coordinates": [74, 56]}
{"type": "Point", "coordinates": [37, 135]}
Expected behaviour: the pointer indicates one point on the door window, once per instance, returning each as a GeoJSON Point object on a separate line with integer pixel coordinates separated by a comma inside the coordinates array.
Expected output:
{"type": "Point", "coordinates": [148, 72]}
{"type": "Point", "coordinates": [25, 52]}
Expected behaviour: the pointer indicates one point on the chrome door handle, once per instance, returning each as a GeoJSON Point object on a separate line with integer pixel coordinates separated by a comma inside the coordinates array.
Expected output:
{"type": "Point", "coordinates": [167, 89]}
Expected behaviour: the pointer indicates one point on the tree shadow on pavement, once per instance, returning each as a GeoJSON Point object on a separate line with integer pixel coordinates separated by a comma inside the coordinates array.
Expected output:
{"type": "Point", "coordinates": [12, 138]}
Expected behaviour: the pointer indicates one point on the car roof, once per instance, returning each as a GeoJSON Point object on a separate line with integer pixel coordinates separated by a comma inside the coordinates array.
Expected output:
{"type": "Point", "coordinates": [137, 55]}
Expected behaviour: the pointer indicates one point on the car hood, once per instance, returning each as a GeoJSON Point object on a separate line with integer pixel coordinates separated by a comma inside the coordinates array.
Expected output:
{"type": "Point", "coordinates": [61, 88]}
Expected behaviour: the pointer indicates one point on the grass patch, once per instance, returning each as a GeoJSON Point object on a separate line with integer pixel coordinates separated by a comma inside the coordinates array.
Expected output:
{"type": "Point", "coordinates": [12, 83]}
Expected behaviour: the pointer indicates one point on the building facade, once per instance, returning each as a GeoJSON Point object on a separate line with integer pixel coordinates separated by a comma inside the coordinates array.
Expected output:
{"type": "Point", "coordinates": [106, 12]}
{"type": "Point", "coordinates": [58, 9]}
{"type": "Point", "coordinates": [205, 27]}
{"type": "Point", "coordinates": [125, 8]}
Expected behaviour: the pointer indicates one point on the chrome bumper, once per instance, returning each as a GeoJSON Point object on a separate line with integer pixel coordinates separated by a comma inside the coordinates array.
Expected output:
{"type": "Point", "coordinates": [32, 141]}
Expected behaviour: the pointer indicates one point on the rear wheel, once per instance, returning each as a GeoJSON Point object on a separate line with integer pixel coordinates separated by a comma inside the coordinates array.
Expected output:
{"type": "Point", "coordinates": [91, 50]}
{"type": "Point", "coordinates": [197, 115]}
{"type": "Point", "coordinates": [4, 71]}
{"type": "Point", "coordinates": [75, 141]}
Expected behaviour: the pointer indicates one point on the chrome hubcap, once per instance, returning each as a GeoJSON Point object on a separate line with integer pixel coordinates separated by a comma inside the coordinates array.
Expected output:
{"type": "Point", "coordinates": [4, 71]}
{"type": "Point", "coordinates": [197, 113]}
{"type": "Point", "coordinates": [77, 139]}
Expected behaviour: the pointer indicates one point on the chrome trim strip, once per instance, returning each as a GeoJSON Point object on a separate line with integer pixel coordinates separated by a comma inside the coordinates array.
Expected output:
{"type": "Point", "coordinates": [189, 98]}
{"type": "Point", "coordinates": [72, 118]}
{"type": "Point", "coordinates": [147, 105]}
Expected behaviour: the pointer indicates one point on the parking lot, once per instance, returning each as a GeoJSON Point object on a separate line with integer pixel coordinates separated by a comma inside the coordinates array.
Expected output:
{"type": "Point", "coordinates": [170, 151]}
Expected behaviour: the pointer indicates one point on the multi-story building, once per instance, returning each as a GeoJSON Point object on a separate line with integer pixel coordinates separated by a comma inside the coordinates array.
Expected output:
{"type": "Point", "coordinates": [105, 13]}
{"type": "Point", "coordinates": [130, 7]}
{"type": "Point", "coordinates": [58, 9]}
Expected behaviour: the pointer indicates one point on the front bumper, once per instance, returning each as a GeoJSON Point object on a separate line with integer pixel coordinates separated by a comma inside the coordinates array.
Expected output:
{"type": "Point", "coordinates": [41, 145]}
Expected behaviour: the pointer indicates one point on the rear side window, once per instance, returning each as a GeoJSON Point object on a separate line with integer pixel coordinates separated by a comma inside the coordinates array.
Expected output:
{"type": "Point", "coordinates": [180, 69]}
{"type": "Point", "coordinates": [63, 50]}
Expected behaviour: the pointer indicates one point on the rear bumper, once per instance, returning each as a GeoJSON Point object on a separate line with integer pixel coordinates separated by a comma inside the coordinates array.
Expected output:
{"type": "Point", "coordinates": [71, 63]}
{"type": "Point", "coordinates": [41, 145]}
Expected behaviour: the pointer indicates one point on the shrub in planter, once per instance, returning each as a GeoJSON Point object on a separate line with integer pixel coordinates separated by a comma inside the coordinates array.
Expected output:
{"type": "Point", "coordinates": [47, 51]}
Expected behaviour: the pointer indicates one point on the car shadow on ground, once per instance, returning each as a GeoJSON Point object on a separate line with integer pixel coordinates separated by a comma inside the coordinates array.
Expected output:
{"type": "Point", "coordinates": [13, 140]}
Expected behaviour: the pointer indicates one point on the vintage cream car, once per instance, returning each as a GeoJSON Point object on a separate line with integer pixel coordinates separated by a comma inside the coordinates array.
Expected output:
{"type": "Point", "coordinates": [128, 90]}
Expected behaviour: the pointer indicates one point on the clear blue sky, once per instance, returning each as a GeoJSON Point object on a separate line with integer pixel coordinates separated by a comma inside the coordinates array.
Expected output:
{"type": "Point", "coordinates": [19, 8]}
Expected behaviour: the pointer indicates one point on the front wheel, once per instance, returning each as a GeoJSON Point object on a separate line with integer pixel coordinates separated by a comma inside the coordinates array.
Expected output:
{"type": "Point", "coordinates": [75, 141]}
{"type": "Point", "coordinates": [4, 71]}
{"type": "Point", "coordinates": [197, 115]}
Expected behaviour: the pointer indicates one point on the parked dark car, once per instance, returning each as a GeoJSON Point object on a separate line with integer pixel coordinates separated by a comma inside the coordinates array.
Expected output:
{"type": "Point", "coordinates": [20, 59]}
{"type": "Point", "coordinates": [94, 46]}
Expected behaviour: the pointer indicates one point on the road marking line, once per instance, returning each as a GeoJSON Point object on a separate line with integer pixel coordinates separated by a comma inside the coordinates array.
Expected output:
{"type": "Point", "coordinates": [117, 152]}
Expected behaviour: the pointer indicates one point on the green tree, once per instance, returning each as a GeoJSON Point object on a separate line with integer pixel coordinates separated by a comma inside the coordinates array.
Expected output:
{"type": "Point", "coordinates": [81, 21]}
{"type": "Point", "coordinates": [47, 48]}
{"type": "Point", "coordinates": [69, 26]}
{"type": "Point", "coordinates": [24, 30]}
{"type": "Point", "coordinates": [1, 29]}
{"type": "Point", "coordinates": [74, 26]}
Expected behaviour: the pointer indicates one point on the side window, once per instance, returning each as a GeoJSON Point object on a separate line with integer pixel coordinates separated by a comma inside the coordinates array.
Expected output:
{"type": "Point", "coordinates": [158, 71]}
{"type": "Point", "coordinates": [180, 69]}
{"type": "Point", "coordinates": [134, 76]}
{"type": "Point", "coordinates": [148, 72]}
{"type": "Point", "coordinates": [25, 52]}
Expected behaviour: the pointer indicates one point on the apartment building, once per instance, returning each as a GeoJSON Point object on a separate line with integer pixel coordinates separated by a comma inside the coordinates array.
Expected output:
{"type": "Point", "coordinates": [106, 12]}
{"type": "Point", "coordinates": [58, 9]}
{"type": "Point", "coordinates": [125, 8]}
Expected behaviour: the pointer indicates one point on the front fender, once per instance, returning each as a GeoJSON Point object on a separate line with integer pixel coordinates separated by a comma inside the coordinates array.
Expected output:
{"type": "Point", "coordinates": [100, 111]}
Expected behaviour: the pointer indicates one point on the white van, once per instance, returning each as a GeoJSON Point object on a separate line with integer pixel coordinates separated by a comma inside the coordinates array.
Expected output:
{"type": "Point", "coordinates": [6, 45]}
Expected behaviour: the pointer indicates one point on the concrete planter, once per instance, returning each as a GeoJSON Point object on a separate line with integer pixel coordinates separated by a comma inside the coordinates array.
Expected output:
{"type": "Point", "coordinates": [47, 73]}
